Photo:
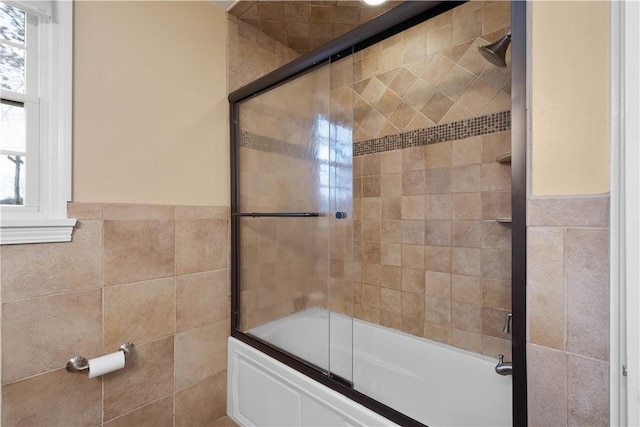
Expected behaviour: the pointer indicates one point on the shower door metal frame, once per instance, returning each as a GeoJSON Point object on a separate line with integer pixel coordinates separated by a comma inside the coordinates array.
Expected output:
{"type": "Point", "coordinates": [390, 23]}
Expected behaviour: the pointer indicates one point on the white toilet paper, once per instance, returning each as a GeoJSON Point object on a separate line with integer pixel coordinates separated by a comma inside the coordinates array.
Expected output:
{"type": "Point", "coordinates": [105, 364]}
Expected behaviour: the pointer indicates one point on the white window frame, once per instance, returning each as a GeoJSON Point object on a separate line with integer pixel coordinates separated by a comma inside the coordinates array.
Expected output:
{"type": "Point", "coordinates": [625, 215]}
{"type": "Point", "coordinates": [46, 220]}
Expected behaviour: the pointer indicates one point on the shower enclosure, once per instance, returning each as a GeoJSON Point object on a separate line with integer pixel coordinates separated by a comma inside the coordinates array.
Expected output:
{"type": "Point", "coordinates": [364, 274]}
{"type": "Point", "coordinates": [293, 220]}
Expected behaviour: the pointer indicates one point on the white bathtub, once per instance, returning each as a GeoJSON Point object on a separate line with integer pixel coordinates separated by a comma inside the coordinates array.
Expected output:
{"type": "Point", "coordinates": [433, 383]}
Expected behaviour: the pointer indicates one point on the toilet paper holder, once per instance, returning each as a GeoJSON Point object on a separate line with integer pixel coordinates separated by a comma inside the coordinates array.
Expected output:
{"type": "Point", "coordinates": [81, 363]}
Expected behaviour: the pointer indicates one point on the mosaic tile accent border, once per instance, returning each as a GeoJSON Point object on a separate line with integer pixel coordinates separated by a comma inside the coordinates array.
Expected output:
{"type": "Point", "coordinates": [476, 126]}
{"type": "Point", "coordinates": [482, 125]}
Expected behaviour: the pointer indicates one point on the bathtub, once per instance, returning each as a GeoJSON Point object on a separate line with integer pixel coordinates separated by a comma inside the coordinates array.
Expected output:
{"type": "Point", "coordinates": [433, 383]}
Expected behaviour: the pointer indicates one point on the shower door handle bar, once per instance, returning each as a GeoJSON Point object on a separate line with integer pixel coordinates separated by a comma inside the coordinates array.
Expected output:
{"type": "Point", "coordinates": [278, 214]}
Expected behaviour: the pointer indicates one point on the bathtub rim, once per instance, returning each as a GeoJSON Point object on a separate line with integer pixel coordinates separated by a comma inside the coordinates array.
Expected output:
{"type": "Point", "coordinates": [327, 380]}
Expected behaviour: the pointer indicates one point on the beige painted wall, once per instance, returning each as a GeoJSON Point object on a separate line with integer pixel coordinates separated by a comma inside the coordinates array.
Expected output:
{"type": "Point", "coordinates": [150, 108]}
{"type": "Point", "coordinates": [570, 97]}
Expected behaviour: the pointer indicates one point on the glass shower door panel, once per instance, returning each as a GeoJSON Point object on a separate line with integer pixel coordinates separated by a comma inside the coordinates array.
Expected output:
{"type": "Point", "coordinates": [341, 222]}
{"type": "Point", "coordinates": [283, 161]}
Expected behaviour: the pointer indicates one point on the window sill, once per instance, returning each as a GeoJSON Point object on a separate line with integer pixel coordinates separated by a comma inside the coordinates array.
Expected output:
{"type": "Point", "coordinates": [16, 231]}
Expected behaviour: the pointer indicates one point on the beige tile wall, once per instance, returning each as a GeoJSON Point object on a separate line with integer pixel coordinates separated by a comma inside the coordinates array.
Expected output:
{"type": "Point", "coordinates": [252, 54]}
{"type": "Point", "coordinates": [434, 261]}
{"type": "Point", "coordinates": [432, 73]}
{"type": "Point", "coordinates": [285, 268]}
{"type": "Point", "coordinates": [568, 310]}
{"type": "Point", "coordinates": [306, 25]}
{"type": "Point", "coordinates": [154, 275]}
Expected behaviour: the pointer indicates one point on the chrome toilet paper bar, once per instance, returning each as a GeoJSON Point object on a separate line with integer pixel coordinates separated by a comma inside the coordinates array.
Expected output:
{"type": "Point", "coordinates": [81, 363]}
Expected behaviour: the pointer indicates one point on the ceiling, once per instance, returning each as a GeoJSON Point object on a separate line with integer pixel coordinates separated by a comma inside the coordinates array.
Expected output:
{"type": "Point", "coordinates": [305, 25]}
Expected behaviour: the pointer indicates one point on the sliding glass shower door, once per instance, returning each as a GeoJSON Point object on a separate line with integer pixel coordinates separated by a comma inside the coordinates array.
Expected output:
{"type": "Point", "coordinates": [293, 217]}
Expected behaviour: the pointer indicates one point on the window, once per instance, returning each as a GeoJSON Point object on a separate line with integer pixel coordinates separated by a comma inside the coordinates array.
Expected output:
{"type": "Point", "coordinates": [35, 121]}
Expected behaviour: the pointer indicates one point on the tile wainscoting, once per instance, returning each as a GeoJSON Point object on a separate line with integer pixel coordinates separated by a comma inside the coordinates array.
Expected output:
{"type": "Point", "coordinates": [568, 310]}
{"type": "Point", "coordinates": [154, 275]}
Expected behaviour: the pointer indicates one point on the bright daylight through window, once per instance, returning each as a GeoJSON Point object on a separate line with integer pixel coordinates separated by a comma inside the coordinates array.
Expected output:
{"type": "Point", "coordinates": [35, 121]}
{"type": "Point", "coordinates": [16, 93]}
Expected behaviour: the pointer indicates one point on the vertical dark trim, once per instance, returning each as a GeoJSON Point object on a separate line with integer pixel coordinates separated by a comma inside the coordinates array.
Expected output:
{"type": "Point", "coordinates": [519, 208]}
{"type": "Point", "coordinates": [234, 128]}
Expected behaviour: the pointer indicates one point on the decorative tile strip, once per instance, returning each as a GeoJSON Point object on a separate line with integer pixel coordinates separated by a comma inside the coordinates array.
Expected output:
{"type": "Point", "coordinates": [475, 126]}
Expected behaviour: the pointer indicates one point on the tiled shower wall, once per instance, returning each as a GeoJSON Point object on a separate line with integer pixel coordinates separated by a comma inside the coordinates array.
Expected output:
{"type": "Point", "coordinates": [283, 162]}
{"type": "Point", "coordinates": [153, 275]}
{"type": "Point", "coordinates": [434, 260]}
{"type": "Point", "coordinates": [568, 310]}
{"type": "Point", "coordinates": [252, 54]}
{"type": "Point", "coordinates": [432, 73]}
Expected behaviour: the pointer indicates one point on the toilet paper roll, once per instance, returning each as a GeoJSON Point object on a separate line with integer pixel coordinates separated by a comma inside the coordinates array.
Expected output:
{"type": "Point", "coordinates": [105, 364]}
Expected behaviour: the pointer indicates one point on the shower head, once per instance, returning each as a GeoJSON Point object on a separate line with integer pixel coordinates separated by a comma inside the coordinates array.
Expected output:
{"type": "Point", "coordinates": [496, 52]}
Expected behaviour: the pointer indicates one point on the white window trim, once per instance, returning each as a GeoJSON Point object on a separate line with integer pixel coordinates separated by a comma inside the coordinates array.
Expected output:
{"type": "Point", "coordinates": [625, 213]}
{"type": "Point", "coordinates": [50, 222]}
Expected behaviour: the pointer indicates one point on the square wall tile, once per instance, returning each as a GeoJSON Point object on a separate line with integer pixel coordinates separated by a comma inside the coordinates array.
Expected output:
{"type": "Point", "coordinates": [391, 277]}
{"type": "Point", "coordinates": [437, 284]}
{"type": "Point", "coordinates": [437, 310]}
{"type": "Point", "coordinates": [136, 250]}
{"type": "Point", "coordinates": [466, 178]}
{"type": "Point", "coordinates": [413, 232]}
{"type": "Point", "coordinates": [413, 280]}
{"type": "Point", "coordinates": [547, 386]}
{"type": "Point", "coordinates": [413, 158]}
{"type": "Point", "coordinates": [587, 392]}
{"type": "Point", "coordinates": [414, 183]}
{"type": "Point", "coordinates": [438, 155]}
{"type": "Point", "coordinates": [33, 340]}
{"type": "Point", "coordinates": [466, 234]}
{"type": "Point", "coordinates": [201, 245]}
{"type": "Point", "coordinates": [200, 353]}
{"type": "Point", "coordinates": [438, 206]}
{"type": "Point", "coordinates": [201, 298]}
{"type": "Point", "coordinates": [465, 261]}
{"type": "Point", "coordinates": [390, 300]}
{"type": "Point", "coordinates": [467, 206]}
{"type": "Point", "coordinates": [437, 258]}
{"type": "Point", "coordinates": [496, 264]}
{"type": "Point", "coordinates": [202, 403]}
{"type": "Point", "coordinates": [391, 162]}
{"type": "Point", "coordinates": [467, 317]}
{"type": "Point", "coordinates": [496, 205]}
{"type": "Point", "coordinates": [545, 287]}
{"type": "Point", "coordinates": [467, 151]}
{"type": "Point", "coordinates": [466, 289]}
{"type": "Point", "coordinates": [587, 278]}
{"type": "Point", "coordinates": [147, 376]}
{"type": "Point", "coordinates": [438, 181]}
{"type": "Point", "coordinates": [56, 398]}
{"type": "Point", "coordinates": [138, 312]}
{"type": "Point", "coordinates": [49, 268]}
{"type": "Point", "coordinates": [413, 207]}
{"type": "Point", "coordinates": [438, 233]}
{"type": "Point", "coordinates": [496, 293]}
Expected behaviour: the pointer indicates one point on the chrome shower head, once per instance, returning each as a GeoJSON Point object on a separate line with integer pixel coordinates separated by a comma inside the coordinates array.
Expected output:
{"type": "Point", "coordinates": [496, 52]}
